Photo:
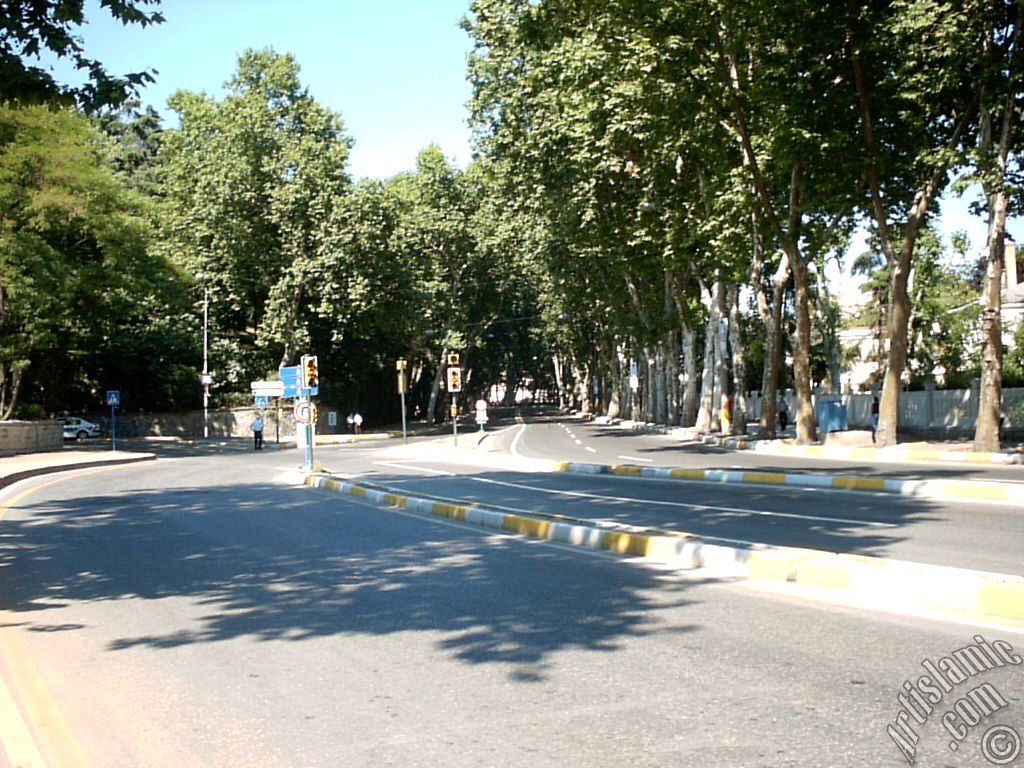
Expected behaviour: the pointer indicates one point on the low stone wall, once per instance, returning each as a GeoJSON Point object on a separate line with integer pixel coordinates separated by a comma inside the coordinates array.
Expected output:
{"type": "Point", "coordinates": [189, 424]}
{"type": "Point", "coordinates": [30, 437]}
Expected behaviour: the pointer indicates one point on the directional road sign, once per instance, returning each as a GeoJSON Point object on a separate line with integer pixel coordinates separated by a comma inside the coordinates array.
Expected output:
{"type": "Point", "coordinates": [267, 389]}
{"type": "Point", "coordinates": [290, 379]}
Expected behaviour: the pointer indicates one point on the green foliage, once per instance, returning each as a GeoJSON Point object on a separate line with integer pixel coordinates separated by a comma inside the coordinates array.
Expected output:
{"type": "Point", "coordinates": [31, 27]}
{"type": "Point", "coordinates": [77, 278]}
{"type": "Point", "coordinates": [249, 183]}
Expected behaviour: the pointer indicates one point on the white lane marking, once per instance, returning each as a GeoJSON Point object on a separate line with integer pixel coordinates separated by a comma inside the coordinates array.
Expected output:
{"type": "Point", "coordinates": [635, 458]}
{"type": "Point", "coordinates": [578, 442]}
{"type": "Point", "coordinates": [592, 450]}
{"type": "Point", "coordinates": [411, 466]}
{"type": "Point", "coordinates": [651, 502]}
{"type": "Point", "coordinates": [515, 442]}
{"type": "Point", "coordinates": [698, 507]}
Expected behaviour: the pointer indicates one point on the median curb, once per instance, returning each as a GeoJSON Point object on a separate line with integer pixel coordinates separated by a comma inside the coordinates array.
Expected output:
{"type": "Point", "coordinates": [12, 477]}
{"type": "Point", "coordinates": [880, 582]}
{"type": "Point", "coordinates": [958, 490]}
{"type": "Point", "coordinates": [925, 455]}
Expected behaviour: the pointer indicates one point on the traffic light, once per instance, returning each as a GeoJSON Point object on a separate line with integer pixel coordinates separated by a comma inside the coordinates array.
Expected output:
{"type": "Point", "coordinates": [453, 358]}
{"type": "Point", "coordinates": [454, 379]}
{"type": "Point", "coordinates": [310, 372]}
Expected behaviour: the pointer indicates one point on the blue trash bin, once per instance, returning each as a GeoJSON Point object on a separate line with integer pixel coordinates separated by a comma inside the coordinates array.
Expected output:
{"type": "Point", "coordinates": [831, 416]}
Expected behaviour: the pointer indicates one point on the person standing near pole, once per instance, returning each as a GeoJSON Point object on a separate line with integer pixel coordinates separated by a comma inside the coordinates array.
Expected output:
{"type": "Point", "coordinates": [257, 431]}
{"type": "Point", "coordinates": [357, 419]}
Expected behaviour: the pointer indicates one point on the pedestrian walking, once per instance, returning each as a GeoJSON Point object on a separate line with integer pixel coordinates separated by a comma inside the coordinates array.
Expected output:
{"type": "Point", "coordinates": [351, 421]}
{"type": "Point", "coordinates": [874, 418]}
{"type": "Point", "coordinates": [257, 432]}
{"type": "Point", "coordinates": [357, 419]}
{"type": "Point", "coordinates": [783, 410]}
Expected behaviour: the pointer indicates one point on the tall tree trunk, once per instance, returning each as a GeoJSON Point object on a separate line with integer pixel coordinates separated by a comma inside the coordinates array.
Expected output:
{"type": "Point", "coordinates": [615, 375]}
{"type": "Point", "coordinates": [556, 361]}
{"type": "Point", "coordinates": [671, 345]}
{"type": "Point", "coordinates": [739, 368]}
{"type": "Point", "coordinates": [435, 387]}
{"type": "Point", "coordinates": [705, 416]}
{"type": "Point", "coordinates": [721, 357]}
{"type": "Point", "coordinates": [511, 384]}
{"type": "Point", "coordinates": [986, 431]}
{"type": "Point", "coordinates": [773, 352]}
{"type": "Point", "coordinates": [660, 385]}
{"type": "Point", "coordinates": [805, 425]}
{"type": "Point", "coordinates": [899, 262]}
{"type": "Point", "coordinates": [688, 417]}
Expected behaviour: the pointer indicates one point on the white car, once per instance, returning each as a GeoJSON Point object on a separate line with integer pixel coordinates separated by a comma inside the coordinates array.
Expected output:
{"type": "Point", "coordinates": [76, 428]}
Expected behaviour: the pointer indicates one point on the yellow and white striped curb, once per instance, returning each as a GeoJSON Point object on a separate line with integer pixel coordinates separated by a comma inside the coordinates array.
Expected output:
{"type": "Point", "coordinates": [959, 490]}
{"type": "Point", "coordinates": [876, 580]}
{"type": "Point", "coordinates": [776, 448]}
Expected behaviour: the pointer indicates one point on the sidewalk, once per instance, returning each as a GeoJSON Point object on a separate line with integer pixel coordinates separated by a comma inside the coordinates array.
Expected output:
{"type": "Point", "coordinates": [19, 467]}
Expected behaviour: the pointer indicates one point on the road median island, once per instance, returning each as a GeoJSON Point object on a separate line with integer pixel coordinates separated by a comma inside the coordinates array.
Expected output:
{"type": "Point", "coordinates": [1000, 492]}
{"type": "Point", "coordinates": [875, 582]}
{"type": "Point", "coordinates": [1011, 493]}
{"type": "Point", "coordinates": [923, 454]}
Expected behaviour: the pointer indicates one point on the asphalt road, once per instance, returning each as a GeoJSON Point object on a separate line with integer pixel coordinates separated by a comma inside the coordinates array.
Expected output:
{"type": "Point", "coordinates": [985, 537]}
{"type": "Point", "coordinates": [617, 445]}
{"type": "Point", "coordinates": [196, 612]}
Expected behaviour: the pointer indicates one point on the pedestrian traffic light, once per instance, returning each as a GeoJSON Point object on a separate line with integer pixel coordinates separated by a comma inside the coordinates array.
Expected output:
{"type": "Point", "coordinates": [310, 373]}
{"type": "Point", "coordinates": [454, 379]}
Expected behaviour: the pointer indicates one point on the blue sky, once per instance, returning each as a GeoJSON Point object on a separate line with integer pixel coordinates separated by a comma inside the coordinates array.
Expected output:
{"type": "Point", "coordinates": [394, 69]}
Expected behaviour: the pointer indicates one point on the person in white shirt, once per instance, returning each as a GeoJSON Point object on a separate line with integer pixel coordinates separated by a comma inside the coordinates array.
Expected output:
{"type": "Point", "coordinates": [257, 431]}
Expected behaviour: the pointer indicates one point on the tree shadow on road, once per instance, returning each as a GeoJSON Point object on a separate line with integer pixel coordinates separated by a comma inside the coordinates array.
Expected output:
{"type": "Point", "coordinates": [279, 563]}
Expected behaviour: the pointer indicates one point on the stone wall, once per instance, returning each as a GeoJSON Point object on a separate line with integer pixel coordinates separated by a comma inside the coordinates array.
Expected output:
{"type": "Point", "coordinates": [30, 436]}
{"type": "Point", "coordinates": [189, 424]}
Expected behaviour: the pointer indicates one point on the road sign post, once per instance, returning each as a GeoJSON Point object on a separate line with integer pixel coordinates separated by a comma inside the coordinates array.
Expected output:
{"type": "Point", "coordinates": [303, 416]}
{"type": "Point", "coordinates": [113, 400]}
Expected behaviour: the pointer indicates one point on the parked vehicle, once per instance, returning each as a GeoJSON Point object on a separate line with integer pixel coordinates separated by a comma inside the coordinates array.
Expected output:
{"type": "Point", "coordinates": [76, 428]}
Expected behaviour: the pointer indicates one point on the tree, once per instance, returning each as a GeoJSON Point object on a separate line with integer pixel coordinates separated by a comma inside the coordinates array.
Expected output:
{"type": "Point", "coordinates": [75, 272]}
{"type": "Point", "coordinates": [999, 105]}
{"type": "Point", "coordinates": [914, 69]}
{"type": "Point", "coordinates": [249, 183]}
{"type": "Point", "coordinates": [31, 27]}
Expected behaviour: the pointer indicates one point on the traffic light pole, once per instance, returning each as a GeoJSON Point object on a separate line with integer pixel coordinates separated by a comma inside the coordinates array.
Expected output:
{"type": "Point", "coordinates": [455, 421]}
{"type": "Point", "coordinates": [405, 433]}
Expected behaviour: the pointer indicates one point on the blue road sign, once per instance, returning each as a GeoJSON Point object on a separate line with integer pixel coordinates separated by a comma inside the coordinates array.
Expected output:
{"type": "Point", "coordinates": [291, 380]}
{"type": "Point", "coordinates": [114, 397]}
{"type": "Point", "coordinates": [262, 401]}
{"type": "Point", "coordinates": [291, 377]}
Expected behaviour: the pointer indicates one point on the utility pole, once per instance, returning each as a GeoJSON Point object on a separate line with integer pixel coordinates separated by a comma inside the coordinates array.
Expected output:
{"type": "Point", "coordinates": [400, 366]}
{"type": "Point", "coordinates": [454, 387]}
{"type": "Point", "coordinates": [206, 369]}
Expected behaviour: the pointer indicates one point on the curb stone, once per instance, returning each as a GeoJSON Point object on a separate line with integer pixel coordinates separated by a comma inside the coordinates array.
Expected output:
{"type": "Point", "coordinates": [14, 477]}
{"type": "Point", "coordinates": [876, 580]}
{"type": "Point", "coordinates": [776, 448]}
{"type": "Point", "coordinates": [959, 490]}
